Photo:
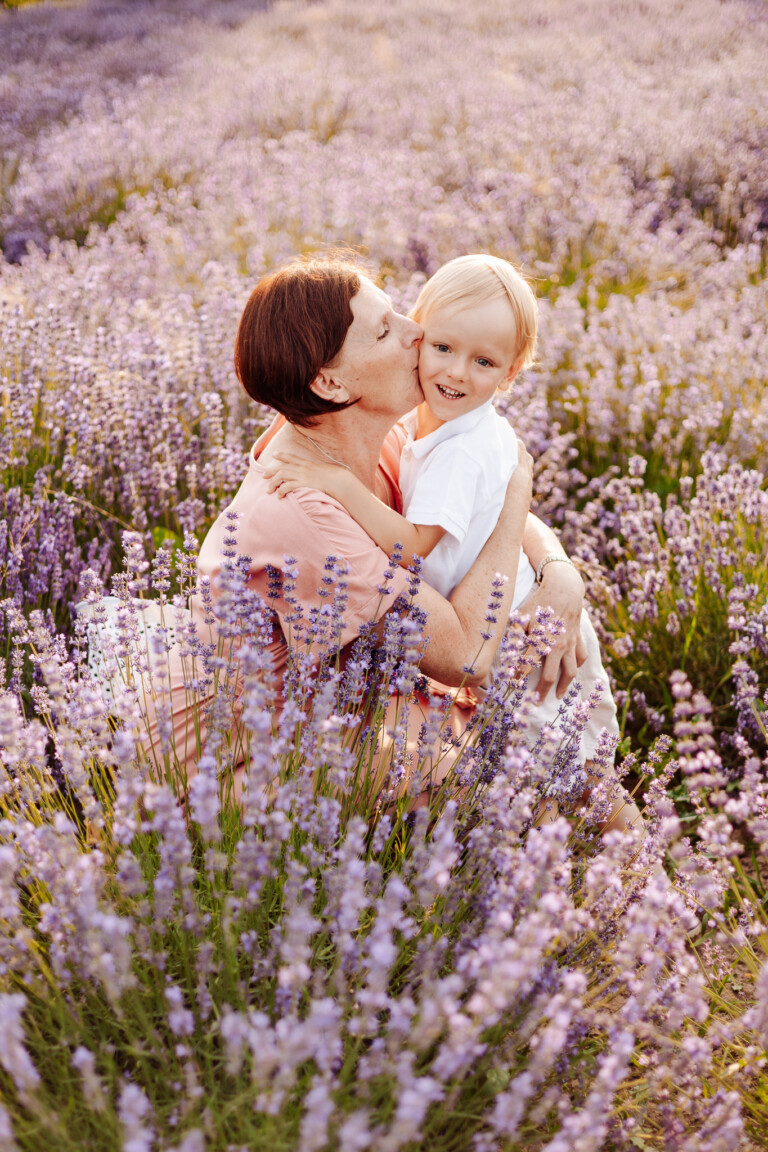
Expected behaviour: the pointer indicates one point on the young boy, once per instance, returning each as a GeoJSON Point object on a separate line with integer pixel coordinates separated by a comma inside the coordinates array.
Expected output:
{"type": "Point", "coordinates": [480, 318]}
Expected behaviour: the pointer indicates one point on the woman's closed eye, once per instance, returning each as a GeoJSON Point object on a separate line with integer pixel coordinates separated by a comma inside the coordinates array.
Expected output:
{"type": "Point", "coordinates": [384, 332]}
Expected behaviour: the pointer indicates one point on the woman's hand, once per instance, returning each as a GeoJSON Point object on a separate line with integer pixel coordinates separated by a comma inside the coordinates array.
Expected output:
{"type": "Point", "coordinates": [520, 486]}
{"type": "Point", "coordinates": [286, 471]}
{"type": "Point", "coordinates": [562, 590]}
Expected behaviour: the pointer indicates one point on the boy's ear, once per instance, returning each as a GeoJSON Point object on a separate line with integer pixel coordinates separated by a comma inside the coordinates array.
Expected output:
{"type": "Point", "coordinates": [507, 381]}
{"type": "Point", "coordinates": [328, 387]}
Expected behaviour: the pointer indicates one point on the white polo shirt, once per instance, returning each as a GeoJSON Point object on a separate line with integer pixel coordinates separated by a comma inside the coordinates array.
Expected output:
{"type": "Point", "coordinates": [457, 477]}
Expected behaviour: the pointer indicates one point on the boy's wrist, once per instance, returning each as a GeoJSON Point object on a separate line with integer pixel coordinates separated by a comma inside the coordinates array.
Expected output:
{"type": "Point", "coordinates": [337, 484]}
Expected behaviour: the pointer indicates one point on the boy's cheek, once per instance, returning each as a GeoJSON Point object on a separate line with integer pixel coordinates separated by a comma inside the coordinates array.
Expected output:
{"type": "Point", "coordinates": [426, 365]}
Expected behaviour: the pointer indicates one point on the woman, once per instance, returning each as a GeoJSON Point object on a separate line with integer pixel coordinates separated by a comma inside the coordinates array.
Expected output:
{"type": "Point", "coordinates": [321, 344]}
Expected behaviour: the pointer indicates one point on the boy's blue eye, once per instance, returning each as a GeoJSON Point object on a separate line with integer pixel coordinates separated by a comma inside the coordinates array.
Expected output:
{"type": "Point", "coordinates": [441, 347]}
{"type": "Point", "coordinates": [483, 362]}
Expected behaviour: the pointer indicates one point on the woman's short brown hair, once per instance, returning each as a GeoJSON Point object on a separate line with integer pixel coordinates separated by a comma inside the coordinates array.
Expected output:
{"type": "Point", "coordinates": [294, 324]}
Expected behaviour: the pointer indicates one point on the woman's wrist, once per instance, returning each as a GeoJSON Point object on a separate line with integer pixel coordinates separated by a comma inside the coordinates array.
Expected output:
{"type": "Point", "coordinates": [565, 576]}
{"type": "Point", "coordinates": [551, 558]}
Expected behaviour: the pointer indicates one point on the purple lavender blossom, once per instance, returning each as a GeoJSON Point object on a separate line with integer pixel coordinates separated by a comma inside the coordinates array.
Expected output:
{"type": "Point", "coordinates": [357, 976]}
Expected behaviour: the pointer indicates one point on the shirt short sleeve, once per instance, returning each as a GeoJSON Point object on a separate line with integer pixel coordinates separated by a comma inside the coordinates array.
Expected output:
{"type": "Point", "coordinates": [445, 492]}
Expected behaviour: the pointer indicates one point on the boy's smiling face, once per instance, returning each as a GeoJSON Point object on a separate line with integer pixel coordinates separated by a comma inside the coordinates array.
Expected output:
{"type": "Point", "coordinates": [465, 356]}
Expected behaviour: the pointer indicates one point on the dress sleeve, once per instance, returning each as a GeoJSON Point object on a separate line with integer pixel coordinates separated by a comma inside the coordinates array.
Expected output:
{"type": "Point", "coordinates": [311, 528]}
{"type": "Point", "coordinates": [389, 466]}
{"type": "Point", "coordinates": [445, 492]}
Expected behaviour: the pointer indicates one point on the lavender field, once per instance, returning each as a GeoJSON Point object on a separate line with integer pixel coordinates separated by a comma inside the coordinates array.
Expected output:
{"type": "Point", "coordinates": [316, 970]}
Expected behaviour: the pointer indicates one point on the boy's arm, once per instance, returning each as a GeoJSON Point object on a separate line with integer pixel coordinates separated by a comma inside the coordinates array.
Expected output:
{"type": "Point", "coordinates": [382, 523]}
{"type": "Point", "coordinates": [456, 628]}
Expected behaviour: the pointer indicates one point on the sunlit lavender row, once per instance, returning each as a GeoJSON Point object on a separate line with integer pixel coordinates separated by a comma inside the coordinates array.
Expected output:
{"type": "Point", "coordinates": [318, 970]}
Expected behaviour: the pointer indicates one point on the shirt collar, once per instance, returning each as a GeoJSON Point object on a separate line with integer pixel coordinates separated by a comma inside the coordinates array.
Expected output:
{"type": "Point", "coordinates": [464, 423]}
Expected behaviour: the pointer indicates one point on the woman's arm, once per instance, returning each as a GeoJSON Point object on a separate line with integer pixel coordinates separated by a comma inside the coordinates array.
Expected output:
{"type": "Point", "coordinates": [382, 523]}
{"type": "Point", "coordinates": [454, 626]}
{"type": "Point", "coordinates": [562, 590]}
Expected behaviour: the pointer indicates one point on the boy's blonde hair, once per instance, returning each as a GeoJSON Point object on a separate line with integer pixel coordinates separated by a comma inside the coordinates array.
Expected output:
{"type": "Point", "coordinates": [469, 281]}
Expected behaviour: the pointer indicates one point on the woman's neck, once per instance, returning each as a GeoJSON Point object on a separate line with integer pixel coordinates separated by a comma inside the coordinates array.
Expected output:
{"type": "Point", "coordinates": [335, 441]}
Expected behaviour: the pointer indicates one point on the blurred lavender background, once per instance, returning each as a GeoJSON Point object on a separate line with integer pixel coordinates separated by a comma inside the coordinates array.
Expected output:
{"type": "Point", "coordinates": [64, 54]}
{"type": "Point", "coordinates": [471, 982]}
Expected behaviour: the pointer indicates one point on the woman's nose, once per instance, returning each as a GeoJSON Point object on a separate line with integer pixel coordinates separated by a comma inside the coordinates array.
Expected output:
{"type": "Point", "coordinates": [413, 332]}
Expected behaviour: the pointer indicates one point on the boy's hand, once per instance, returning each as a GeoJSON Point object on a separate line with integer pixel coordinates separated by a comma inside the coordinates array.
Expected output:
{"type": "Point", "coordinates": [287, 471]}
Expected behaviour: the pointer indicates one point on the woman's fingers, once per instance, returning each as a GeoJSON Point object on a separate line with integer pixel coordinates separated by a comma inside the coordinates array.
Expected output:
{"type": "Point", "coordinates": [524, 458]}
{"type": "Point", "coordinates": [550, 669]}
{"type": "Point", "coordinates": [568, 670]}
{"type": "Point", "coordinates": [581, 651]}
{"type": "Point", "coordinates": [519, 486]}
{"type": "Point", "coordinates": [558, 668]}
{"type": "Point", "coordinates": [523, 452]}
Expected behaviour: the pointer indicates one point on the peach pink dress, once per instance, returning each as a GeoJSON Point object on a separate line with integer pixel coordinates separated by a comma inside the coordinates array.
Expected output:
{"type": "Point", "coordinates": [306, 525]}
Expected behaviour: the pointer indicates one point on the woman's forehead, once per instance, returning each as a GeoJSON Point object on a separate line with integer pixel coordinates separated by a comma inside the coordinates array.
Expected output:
{"type": "Point", "coordinates": [369, 305]}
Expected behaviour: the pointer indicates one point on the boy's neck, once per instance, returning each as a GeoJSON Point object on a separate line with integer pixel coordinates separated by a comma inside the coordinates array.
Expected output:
{"type": "Point", "coordinates": [426, 421]}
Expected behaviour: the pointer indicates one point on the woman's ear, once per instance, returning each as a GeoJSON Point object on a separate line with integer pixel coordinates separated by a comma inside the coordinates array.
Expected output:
{"type": "Point", "coordinates": [507, 381]}
{"type": "Point", "coordinates": [328, 387]}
